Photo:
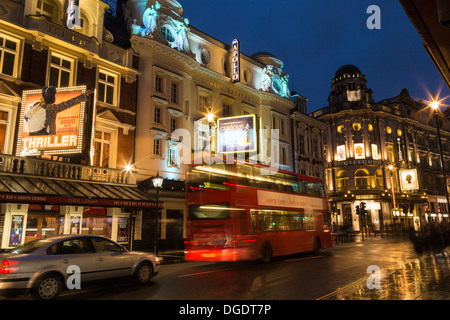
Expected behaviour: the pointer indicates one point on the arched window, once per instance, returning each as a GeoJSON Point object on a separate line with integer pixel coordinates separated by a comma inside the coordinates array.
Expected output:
{"type": "Point", "coordinates": [167, 33]}
{"type": "Point", "coordinates": [362, 179]}
{"type": "Point", "coordinates": [342, 180]}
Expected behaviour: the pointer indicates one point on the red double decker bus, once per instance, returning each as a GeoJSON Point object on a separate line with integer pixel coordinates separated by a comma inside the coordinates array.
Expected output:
{"type": "Point", "coordinates": [244, 211]}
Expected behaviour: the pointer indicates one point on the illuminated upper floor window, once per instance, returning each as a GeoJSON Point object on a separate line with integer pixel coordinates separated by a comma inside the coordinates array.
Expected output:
{"type": "Point", "coordinates": [107, 87]}
{"type": "Point", "coordinates": [8, 55]}
{"type": "Point", "coordinates": [60, 70]}
{"type": "Point", "coordinates": [167, 33]}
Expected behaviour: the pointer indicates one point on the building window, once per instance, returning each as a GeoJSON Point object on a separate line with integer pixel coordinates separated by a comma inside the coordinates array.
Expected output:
{"type": "Point", "coordinates": [157, 115]}
{"type": "Point", "coordinates": [379, 182]}
{"type": "Point", "coordinates": [174, 92]}
{"type": "Point", "coordinates": [3, 129]}
{"type": "Point", "coordinates": [173, 124]}
{"type": "Point", "coordinates": [173, 156]}
{"type": "Point", "coordinates": [46, 8]}
{"type": "Point", "coordinates": [315, 146]}
{"type": "Point", "coordinates": [8, 55]}
{"type": "Point", "coordinates": [157, 144]}
{"type": "Point", "coordinates": [301, 144]}
{"type": "Point", "coordinates": [342, 180]}
{"type": "Point", "coordinates": [167, 33]}
{"type": "Point", "coordinates": [203, 103]}
{"type": "Point", "coordinates": [391, 154]}
{"type": "Point", "coordinates": [158, 84]}
{"type": "Point", "coordinates": [284, 157]}
{"type": "Point", "coordinates": [362, 179]}
{"type": "Point", "coordinates": [61, 71]}
{"type": "Point", "coordinates": [102, 145]}
{"type": "Point", "coordinates": [107, 87]}
{"type": "Point", "coordinates": [226, 110]}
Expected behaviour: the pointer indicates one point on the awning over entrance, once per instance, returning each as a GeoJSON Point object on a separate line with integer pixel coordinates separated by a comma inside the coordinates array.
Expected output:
{"type": "Point", "coordinates": [23, 189]}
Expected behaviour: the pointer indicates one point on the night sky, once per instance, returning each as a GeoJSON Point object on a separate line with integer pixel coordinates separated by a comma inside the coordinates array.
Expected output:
{"type": "Point", "coordinates": [315, 37]}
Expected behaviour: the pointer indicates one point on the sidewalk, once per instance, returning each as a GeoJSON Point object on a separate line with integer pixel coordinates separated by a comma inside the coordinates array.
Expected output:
{"type": "Point", "coordinates": [425, 277]}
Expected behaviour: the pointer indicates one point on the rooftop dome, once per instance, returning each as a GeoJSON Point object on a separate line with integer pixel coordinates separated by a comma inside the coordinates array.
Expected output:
{"type": "Point", "coordinates": [268, 59]}
{"type": "Point", "coordinates": [348, 71]}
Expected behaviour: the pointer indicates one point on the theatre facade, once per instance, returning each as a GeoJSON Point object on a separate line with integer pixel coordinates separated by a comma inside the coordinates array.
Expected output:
{"type": "Point", "coordinates": [384, 154]}
{"type": "Point", "coordinates": [64, 169]}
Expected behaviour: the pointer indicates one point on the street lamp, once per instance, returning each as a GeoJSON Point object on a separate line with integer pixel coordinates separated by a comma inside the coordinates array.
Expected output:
{"type": "Point", "coordinates": [435, 106]}
{"type": "Point", "coordinates": [157, 183]}
{"type": "Point", "coordinates": [391, 167]}
{"type": "Point", "coordinates": [210, 117]}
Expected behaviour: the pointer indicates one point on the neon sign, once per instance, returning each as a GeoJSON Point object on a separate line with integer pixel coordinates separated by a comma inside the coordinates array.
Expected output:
{"type": "Point", "coordinates": [235, 61]}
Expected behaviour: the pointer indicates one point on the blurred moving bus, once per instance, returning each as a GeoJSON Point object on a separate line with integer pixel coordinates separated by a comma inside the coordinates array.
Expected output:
{"type": "Point", "coordinates": [240, 212]}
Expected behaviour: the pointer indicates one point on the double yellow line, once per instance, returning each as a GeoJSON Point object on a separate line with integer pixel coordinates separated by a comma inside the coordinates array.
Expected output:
{"type": "Point", "coordinates": [336, 292]}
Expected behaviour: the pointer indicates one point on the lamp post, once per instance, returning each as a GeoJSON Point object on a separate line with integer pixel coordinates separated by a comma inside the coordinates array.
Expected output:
{"type": "Point", "coordinates": [391, 167]}
{"type": "Point", "coordinates": [435, 107]}
{"type": "Point", "coordinates": [210, 117]}
{"type": "Point", "coordinates": [157, 183]}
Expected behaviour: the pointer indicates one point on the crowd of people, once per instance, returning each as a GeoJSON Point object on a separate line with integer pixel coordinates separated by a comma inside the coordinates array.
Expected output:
{"type": "Point", "coordinates": [432, 236]}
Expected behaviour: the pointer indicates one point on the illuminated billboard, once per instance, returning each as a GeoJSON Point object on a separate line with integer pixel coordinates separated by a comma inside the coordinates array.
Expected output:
{"type": "Point", "coordinates": [236, 134]}
{"type": "Point", "coordinates": [341, 153]}
{"type": "Point", "coordinates": [408, 179]}
{"type": "Point", "coordinates": [359, 151]}
{"type": "Point", "coordinates": [52, 121]}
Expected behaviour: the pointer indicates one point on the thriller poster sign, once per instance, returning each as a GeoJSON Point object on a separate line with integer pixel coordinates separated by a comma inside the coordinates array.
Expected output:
{"type": "Point", "coordinates": [52, 128]}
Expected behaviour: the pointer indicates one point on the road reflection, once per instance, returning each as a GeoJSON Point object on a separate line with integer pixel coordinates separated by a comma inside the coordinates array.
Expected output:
{"type": "Point", "coordinates": [425, 278]}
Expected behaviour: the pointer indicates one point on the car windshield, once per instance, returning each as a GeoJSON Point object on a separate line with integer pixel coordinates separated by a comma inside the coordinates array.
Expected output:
{"type": "Point", "coordinates": [29, 246]}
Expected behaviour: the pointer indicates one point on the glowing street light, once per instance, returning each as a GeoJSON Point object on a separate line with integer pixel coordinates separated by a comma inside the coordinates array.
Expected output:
{"type": "Point", "coordinates": [391, 167]}
{"type": "Point", "coordinates": [435, 106]}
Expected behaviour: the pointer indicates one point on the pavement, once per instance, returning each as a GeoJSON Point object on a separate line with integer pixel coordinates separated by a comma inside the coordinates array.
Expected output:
{"type": "Point", "coordinates": [424, 277]}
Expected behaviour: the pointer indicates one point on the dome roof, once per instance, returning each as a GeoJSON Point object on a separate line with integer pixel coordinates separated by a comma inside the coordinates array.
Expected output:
{"type": "Point", "coordinates": [267, 58]}
{"type": "Point", "coordinates": [348, 71]}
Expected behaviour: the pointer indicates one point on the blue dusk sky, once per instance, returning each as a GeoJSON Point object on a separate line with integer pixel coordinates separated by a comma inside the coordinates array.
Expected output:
{"type": "Point", "coordinates": [314, 38]}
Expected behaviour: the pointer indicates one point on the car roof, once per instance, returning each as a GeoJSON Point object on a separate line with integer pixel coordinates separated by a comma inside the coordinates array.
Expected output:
{"type": "Point", "coordinates": [71, 236]}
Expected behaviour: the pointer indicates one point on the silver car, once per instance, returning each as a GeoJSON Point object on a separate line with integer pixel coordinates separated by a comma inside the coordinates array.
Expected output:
{"type": "Point", "coordinates": [45, 267]}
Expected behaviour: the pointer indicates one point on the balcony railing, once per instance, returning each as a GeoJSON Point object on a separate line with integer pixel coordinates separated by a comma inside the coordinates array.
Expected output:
{"type": "Point", "coordinates": [54, 169]}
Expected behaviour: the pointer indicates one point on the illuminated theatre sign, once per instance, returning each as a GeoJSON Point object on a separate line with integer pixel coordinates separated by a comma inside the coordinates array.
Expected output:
{"type": "Point", "coordinates": [54, 127]}
{"type": "Point", "coordinates": [235, 60]}
{"type": "Point", "coordinates": [236, 134]}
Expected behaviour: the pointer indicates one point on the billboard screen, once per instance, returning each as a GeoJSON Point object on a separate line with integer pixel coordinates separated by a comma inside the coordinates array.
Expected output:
{"type": "Point", "coordinates": [52, 128]}
{"type": "Point", "coordinates": [409, 179]}
{"type": "Point", "coordinates": [236, 134]}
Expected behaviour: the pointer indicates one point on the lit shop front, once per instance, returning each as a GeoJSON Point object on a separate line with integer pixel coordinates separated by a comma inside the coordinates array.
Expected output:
{"type": "Point", "coordinates": [37, 207]}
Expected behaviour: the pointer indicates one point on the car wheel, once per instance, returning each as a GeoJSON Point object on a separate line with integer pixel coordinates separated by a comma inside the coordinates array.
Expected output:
{"type": "Point", "coordinates": [47, 287]}
{"type": "Point", "coordinates": [266, 252]}
{"type": "Point", "coordinates": [143, 273]}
